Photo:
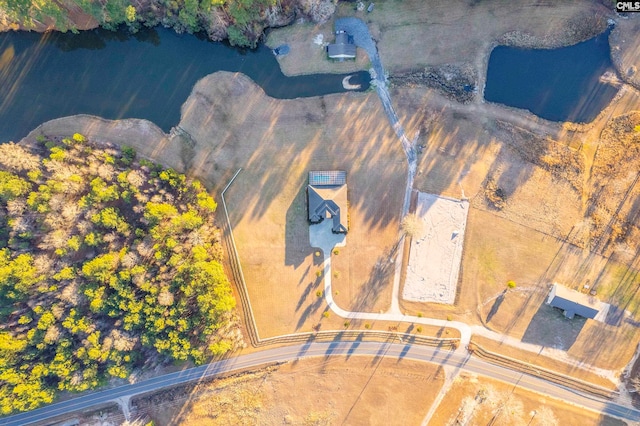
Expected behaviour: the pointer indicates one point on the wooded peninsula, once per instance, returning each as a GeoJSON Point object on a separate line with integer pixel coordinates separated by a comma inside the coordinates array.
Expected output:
{"type": "Point", "coordinates": [108, 264]}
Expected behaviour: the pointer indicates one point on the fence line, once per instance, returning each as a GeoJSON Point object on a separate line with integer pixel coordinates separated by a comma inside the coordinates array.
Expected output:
{"type": "Point", "coordinates": [361, 335]}
{"type": "Point", "coordinates": [251, 326]}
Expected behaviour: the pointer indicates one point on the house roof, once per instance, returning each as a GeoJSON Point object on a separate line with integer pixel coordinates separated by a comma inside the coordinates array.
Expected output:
{"type": "Point", "coordinates": [327, 196]}
{"type": "Point", "coordinates": [573, 302]}
{"type": "Point", "coordinates": [342, 48]}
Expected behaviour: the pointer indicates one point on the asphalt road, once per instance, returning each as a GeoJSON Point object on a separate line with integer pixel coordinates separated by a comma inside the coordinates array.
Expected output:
{"type": "Point", "coordinates": [292, 353]}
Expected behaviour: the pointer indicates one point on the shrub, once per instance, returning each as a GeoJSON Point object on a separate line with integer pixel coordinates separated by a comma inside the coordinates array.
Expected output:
{"type": "Point", "coordinates": [326, 314]}
{"type": "Point", "coordinates": [367, 325]}
{"type": "Point", "coordinates": [319, 293]}
{"type": "Point", "coordinates": [336, 252]}
{"type": "Point", "coordinates": [413, 226]}
{"type": "Point", "coordinates": [419, 329]}
{"type": "Point", "coordinates": [511, 284]}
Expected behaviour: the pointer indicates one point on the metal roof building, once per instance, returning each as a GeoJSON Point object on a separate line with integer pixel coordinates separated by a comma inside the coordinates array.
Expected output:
{"type": "Point", "coordinates": [342, 48]}
{"type": "Point", "coordinates": [327, 198]}
{"type": "Point", "coordinates": [573, 302]}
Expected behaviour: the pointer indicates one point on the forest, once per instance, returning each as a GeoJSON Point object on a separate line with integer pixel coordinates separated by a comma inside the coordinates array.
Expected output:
{"type": "Point", "coordinates": [109, 265]}
{"type": "Point", "coordinates": [242, 22]}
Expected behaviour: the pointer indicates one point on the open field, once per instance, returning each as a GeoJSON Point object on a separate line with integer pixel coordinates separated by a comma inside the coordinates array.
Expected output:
{"type": "Point", "coordinates": [413, 34]}
{"type": "Point", "coordinates": [538, 214]}
{"type": "Point", "coordinates": [339, 390]}
{"type": "Point", "coordinates": [473, 400]}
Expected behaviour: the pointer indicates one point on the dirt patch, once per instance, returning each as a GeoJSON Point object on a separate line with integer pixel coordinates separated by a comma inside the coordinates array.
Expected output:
{"type": "Point", "coordinates": [338, 390]}
{"type": "Point", "coordinates": [473, 400]}
{"type": "Point", "coordinates": [458, 83]}
{"type": "Point", "coordinates": [147, 138]}
{"type": "Point", "coordinates": [107, 415]}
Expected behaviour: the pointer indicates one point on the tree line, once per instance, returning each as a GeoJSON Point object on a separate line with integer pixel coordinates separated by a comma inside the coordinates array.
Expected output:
{"type": "Point", "coordinates": [108, 264]}
{"type": "Point", "coordinates": [242, 22]}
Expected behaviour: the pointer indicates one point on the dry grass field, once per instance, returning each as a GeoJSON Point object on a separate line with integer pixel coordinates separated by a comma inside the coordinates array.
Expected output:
{"type": "Point", "coordinates": [550, 202]}
{"type": "Point", "coordinates": [413, 34]}
{"type": "Point", "coordinates": [277, 143]}
{"type": "Point", "coordinates": [481, 401]}
{"type": "Point", "coordinates": [314, 391]}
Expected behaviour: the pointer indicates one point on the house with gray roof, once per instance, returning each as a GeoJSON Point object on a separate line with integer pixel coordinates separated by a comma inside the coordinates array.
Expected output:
{"type": "Point", "coordinates": [574, 303]}
{"type": "Point", "coordinates": [342, 48]}
{"type": "Point", "coordinates": [327, 199]}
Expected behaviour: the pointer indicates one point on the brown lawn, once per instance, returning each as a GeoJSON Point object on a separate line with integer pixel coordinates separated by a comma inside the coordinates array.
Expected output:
{"type": "Point", "coordinates": [277, 143]}
{"type": "Point", "coordinates": [339, 390]}
{"type": "Point", "coordinates": [473, 400]}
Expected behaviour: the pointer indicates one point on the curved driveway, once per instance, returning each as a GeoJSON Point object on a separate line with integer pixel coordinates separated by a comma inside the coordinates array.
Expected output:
{"type": "Point", "coordinates": [327, 349]}
{"type": "Point", "coordinates": [362, 38]}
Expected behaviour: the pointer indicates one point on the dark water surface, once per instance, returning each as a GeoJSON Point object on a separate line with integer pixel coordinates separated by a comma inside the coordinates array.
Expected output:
{"type": "Point", "coordinates": [556, 84]}
{"type": "Point", "coordinates": [118, 75]}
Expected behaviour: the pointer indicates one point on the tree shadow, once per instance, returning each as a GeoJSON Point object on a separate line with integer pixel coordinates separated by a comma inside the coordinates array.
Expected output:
{"type": "Point", "coordinates": [549, 327]}
{"type": "Point", "coordinates": [496, 305]}
{"type": "Point", "coordinates": [309, 310]}
{"type": "Point", "coordinates": [378, 281]}
{"type": "Point", "coordinates": [304, 295]}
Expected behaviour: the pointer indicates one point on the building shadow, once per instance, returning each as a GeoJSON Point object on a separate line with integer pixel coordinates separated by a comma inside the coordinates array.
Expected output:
{"type": "Point", "coordinates": [297, 247]}
{"type": "Point", "coordinates": [549, 327]}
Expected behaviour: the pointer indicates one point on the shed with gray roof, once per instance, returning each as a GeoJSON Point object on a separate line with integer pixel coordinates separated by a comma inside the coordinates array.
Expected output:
{"type": "Point", "coordinates": [573, 302]}
{"type": "Point", "coordinates": [343, 47]}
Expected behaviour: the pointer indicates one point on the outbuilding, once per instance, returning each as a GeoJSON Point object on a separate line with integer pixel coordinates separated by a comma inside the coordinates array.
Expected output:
{"type": "Point", "coordinates": [343, 47]}
{"type": "Point", "coordinates": [573, 302]}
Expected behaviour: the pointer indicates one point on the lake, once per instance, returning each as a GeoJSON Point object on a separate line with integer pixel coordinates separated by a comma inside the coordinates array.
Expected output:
{"type": "Point", "coordinates": [116, 75]}
{"type": "Point", "coordinates": [561, 84]}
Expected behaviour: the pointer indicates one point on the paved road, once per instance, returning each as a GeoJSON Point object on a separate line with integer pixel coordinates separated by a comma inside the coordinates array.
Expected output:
{"type": "Point", "coordinates": [292, 353]}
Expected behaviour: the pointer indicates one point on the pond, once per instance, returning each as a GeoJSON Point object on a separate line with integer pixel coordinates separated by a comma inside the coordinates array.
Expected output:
{"type": "Point", "coordinates": [564, 84]}
{"type": "Point", "coordinates": [116, 75]}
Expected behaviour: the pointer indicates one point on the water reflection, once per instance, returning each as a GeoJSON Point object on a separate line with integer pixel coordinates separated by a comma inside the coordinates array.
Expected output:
{"type": "Point", "coordinates": [562, 84]}
{"type": "Point", "coordinates": [148, 75]}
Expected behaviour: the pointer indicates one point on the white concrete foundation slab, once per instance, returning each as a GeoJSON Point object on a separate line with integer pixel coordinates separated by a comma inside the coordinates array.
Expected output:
{"type": "Point", "coordinates": [434, 259]}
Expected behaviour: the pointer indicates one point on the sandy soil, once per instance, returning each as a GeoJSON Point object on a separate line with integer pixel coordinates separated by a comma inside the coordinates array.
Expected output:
{"type": "Point", "coordinates": [434, 261]}
{"type": "Point", "coordinates": [625, 50]}
{"type": "Point", "coordinates": [352, 390]}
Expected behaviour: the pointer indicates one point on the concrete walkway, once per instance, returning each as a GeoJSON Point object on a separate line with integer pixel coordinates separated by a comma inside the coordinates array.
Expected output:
{"type": "Point", "coordinates": [321, 237]}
